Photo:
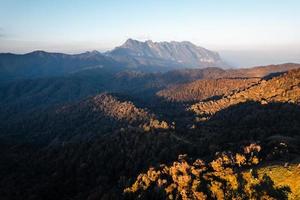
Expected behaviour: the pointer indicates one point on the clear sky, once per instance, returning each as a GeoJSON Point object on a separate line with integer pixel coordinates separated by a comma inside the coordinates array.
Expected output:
{"type": "Point", "coordinates": [79, 25]}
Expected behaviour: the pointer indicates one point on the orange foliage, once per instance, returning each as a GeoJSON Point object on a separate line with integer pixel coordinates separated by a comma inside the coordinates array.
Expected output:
{"type": "Point", "coordinates": [220, 179]}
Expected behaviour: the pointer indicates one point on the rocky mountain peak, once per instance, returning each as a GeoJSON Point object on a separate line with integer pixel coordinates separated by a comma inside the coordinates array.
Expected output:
{"type": "Point", "coordinates": [166, 54]}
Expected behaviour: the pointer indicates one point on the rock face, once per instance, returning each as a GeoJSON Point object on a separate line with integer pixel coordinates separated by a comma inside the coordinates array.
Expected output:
{"type": "Point", "coordinates": [284, 88]}
{"type": "Point", "coordinates": [166, 54]}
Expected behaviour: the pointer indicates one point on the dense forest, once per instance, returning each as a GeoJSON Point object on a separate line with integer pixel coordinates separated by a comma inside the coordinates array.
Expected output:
{"type": "Point", "coordinates": [184, 134]}
{"type": "Point", "coordinates": [202, 89]}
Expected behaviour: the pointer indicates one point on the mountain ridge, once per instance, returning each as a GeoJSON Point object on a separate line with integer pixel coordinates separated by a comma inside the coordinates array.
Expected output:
{"type": "Point", "coordinates": [175, 54]}
{"type": "Point", "coordinates": [133, 55]}
{"type": "Point", "coordinates": [146, 56]}
{"type": "Point", "coordinates": [39, 64]}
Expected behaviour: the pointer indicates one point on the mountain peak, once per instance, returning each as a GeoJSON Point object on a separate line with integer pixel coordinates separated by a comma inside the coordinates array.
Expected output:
{"type": "Point", "coordinates": [149, 42]}
{"type": "Point", "coordinates": [130, 42]}
{"type": "Point", "coordinates": [171, 54]}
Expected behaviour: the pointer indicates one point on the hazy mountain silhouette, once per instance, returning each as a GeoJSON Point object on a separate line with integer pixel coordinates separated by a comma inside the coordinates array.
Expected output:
{"type": "Point", "coordinates": [44, 64]}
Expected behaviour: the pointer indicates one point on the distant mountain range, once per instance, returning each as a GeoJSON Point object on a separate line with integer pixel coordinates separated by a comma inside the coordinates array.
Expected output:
{"type": "Point", "coordinates": [44, 64]}
{"type": "Point", "coordinates": [142, 56]}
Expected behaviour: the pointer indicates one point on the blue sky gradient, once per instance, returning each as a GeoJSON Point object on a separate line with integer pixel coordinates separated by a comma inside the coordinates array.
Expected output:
{"type": "Point", "coordinates": [79, 25]}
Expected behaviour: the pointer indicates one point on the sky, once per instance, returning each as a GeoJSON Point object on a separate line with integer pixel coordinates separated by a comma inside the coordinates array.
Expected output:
{"type": "Point", "coordinates": [238, 29]}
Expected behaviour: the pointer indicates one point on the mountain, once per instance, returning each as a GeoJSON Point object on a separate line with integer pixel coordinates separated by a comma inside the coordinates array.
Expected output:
{"type": "Point", "coordinates": [133, 55]}
{"type": "Point", "coordinates": [143, 56]}
{"type": "Point", "coordinates": [44, 64]}
{"type": "Point", "coordinates": [167, 55]}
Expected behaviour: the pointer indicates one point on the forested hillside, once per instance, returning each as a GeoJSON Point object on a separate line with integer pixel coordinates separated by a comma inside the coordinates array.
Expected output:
{"type": "Point", "coordinates": [203, 89]}
{"type": "Point", "coordinates": [122, 141]}
{"type": "Point", "coordinates": [284, 88]}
